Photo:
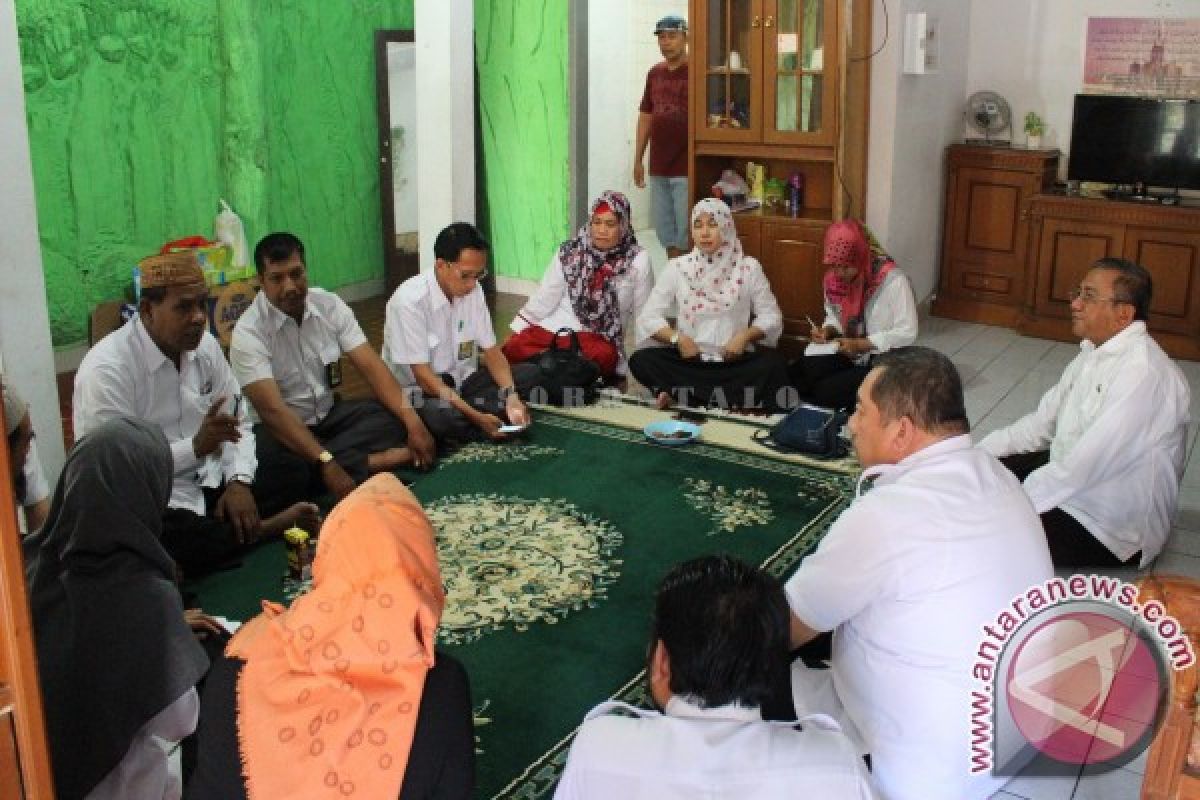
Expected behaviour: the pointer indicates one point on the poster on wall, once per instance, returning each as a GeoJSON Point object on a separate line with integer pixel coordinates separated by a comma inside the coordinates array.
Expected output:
{"type": "Point", "coordinates": [1138, 55]}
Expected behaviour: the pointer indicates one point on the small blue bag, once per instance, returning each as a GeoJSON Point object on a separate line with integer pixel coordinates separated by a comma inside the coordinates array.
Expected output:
{"type": "Point", "coordinates": [810, 430]}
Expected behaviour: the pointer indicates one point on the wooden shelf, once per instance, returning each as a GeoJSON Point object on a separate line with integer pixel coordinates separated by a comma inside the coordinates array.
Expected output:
{"type": "Point", "coordinates": [822, 216]}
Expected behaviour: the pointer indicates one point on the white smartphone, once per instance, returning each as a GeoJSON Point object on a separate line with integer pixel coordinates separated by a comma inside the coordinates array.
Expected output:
{"type": "Point", "coordinates": [511, 428]}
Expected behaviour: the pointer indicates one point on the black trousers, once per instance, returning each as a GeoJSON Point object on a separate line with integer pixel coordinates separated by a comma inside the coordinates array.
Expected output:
{"type": "Point", "coordinates": [447, 424]}
{"type": "Point", "coordinates": [441, 762]}
{"type": "Point", "coordinates": [201, 543]}
{"type": "Point", "coordinates": [829, 381]}
{"type": "Point", "coordinates": [1071, 545]}
{"type": "Point", "coordinates": [351, 431]}
{"type": "Point", "coordinates": [758, 380]}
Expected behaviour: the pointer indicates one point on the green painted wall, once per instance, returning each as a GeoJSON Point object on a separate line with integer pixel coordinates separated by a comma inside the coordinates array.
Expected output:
{"type": "Point", "coordinates": [142, 114]}
{"type": "Point", "coordinates": [524, 117]}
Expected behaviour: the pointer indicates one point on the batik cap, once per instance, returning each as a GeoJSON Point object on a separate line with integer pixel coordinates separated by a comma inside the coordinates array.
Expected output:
{"type": "Point", "coordinates": [671, 22]}
{"type": "Point", "coordinates": [170, 269]}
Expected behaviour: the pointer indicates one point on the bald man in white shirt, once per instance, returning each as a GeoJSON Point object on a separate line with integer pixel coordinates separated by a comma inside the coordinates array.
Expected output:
{"type": "Point", "coordinates": [1103, 454]}
{"type": "Point", "coordinates": [908, 575]}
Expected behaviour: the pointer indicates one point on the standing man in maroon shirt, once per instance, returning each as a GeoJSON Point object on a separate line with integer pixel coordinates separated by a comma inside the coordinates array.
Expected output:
{"type": "Point", "coordinates": [663, 124]}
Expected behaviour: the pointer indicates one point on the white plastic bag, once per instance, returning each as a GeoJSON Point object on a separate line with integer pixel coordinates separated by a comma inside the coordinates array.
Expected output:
{"type": "Point", "coordinates": [228, 230]}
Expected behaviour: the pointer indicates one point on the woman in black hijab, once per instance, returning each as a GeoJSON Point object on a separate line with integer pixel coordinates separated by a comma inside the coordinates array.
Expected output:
{"type": "Point", "coordinates": [116, 658]}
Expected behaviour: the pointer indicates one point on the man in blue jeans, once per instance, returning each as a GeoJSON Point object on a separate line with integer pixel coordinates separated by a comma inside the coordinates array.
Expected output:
{"type": "Point", "coordinates": [663, 125]}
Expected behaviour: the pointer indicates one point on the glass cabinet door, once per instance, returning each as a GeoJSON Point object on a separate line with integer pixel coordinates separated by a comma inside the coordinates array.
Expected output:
{"type": "Point", "coordinates": [731, 53]}
{"type": "Point", "coordinates": [800, 89]}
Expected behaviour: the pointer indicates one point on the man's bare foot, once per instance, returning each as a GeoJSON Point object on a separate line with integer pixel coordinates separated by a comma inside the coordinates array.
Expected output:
{"type": "Point", "coordinates": [663, 401]}
{"type": "Point", "coordinates": [388, 460]}
{"type": "Point", "coordinates": [298, 515]}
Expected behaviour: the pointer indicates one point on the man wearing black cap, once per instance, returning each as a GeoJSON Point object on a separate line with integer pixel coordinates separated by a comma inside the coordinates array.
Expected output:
{"type": "Point", "coordinates": [663, 125]}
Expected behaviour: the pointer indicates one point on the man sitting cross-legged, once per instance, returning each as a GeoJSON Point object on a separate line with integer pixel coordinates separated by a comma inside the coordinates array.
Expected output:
{"type": "Point", "coordinates": [1102, 456]}
{"type": "Point", "coordinates": [718, 646]}
{"type": "Point", "coordinates": [907, 577]}
{"type": "Point", "coordinates": [164, 366]}
{"type": "Point", "coordinates": [286, 351]}
{"type": "Point", "coordinates": [437, 327]}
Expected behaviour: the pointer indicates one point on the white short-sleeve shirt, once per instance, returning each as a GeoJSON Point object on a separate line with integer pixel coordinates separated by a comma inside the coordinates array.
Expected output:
{"type": "Point", "coordinates": [906, 578]}
{"type": "Point", "coordinates": [725, 753]}
{"type": "Point", "coordinates": [423, 326]}
{"type": "Point", "coordinates": [267, 344]}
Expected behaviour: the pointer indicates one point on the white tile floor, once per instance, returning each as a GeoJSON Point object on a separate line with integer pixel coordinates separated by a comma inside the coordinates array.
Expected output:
{"type": "Point", "coordinates": [1004, 376]}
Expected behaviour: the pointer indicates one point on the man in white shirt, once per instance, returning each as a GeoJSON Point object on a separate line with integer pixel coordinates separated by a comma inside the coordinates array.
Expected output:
{"type": "Point", "coordinates": [718, 647]}
{"type": "Point", "coordinates": [1102, 456]}
{"type": "Point", "coordinates": [286, 352]}
{"type": "Point", "coordinates": [907, 576]}
{"type": "Point", "coordinates": [29, 483]}
{"type": "Point", "coordinates": [164, 366]}
{"type": "Point", "coordinates": [436, 328]}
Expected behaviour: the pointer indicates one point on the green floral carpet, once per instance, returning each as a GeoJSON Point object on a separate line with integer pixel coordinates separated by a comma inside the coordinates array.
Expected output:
{"type": "Point", "coordinates": [551, 548]}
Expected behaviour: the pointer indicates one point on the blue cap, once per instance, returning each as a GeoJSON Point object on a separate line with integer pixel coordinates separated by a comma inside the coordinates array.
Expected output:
{"type": "Point", "coordinates": [671, 23]}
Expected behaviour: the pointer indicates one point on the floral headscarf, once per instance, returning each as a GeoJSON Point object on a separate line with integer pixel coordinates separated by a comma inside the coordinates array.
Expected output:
{"type": "Point", "coordinates": [589, 272]}
{"type": "Point", "coordinates": [714, 281]}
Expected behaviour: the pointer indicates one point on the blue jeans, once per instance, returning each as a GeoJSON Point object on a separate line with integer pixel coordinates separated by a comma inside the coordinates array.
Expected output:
{"type": "Point", "coordinates": [669, 209]}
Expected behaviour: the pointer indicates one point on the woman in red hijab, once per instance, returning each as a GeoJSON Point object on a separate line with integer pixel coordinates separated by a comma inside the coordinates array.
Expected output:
{"type": "Point", "coordinates": [869, 309]}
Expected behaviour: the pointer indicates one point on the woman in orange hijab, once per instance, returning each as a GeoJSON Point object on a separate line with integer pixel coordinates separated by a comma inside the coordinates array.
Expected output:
{"type": "Point", "coordinates": [342, 695]}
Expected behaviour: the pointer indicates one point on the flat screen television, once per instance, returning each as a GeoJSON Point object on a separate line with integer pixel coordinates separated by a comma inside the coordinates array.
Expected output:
{"type": "Point", "coordinates": [1136, 142]}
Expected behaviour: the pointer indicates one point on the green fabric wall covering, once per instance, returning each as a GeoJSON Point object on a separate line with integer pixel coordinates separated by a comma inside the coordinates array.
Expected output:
{"type": "Point", "coordinates": [524, 117]}
{"type": "Point", "coordinates": [142, 114]}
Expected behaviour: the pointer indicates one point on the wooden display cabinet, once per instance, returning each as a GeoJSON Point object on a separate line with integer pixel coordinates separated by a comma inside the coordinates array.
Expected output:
{"type": "Point", "coordinates": [984, 273]}
{"type": "Point", "coordinates": [769, 82]}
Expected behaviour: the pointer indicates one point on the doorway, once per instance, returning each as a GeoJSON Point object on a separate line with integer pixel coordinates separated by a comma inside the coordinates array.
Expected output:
{"type": "Point", "coordinates": [396, 94]}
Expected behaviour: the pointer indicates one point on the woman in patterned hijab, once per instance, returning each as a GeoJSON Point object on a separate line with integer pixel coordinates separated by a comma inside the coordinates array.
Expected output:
{"type": "Point", "coordinates": [595, 284]}
{"type": "Point", "coordinates": [720, 349]}
{"type": "Point", "coordinates": [342, 694]}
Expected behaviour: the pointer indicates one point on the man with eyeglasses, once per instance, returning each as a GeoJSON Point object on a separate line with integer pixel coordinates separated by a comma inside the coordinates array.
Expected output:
{"type": "Point", "coordinates": [29, 483]}
{"type": "Point", "coordinates": [437, 329]}
{"type": "Point", "coordinates": [1102, 456]}
{"type": "Point", "coordinates": [286, 353]}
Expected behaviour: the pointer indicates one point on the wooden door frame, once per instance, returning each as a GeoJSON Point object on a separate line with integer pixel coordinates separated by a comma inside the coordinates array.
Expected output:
{"type": "Point", "coordinates": [397, 266]}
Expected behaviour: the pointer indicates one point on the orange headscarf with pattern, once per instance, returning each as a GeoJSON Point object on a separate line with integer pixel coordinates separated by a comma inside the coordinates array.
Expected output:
{"type": "Point", "coordinates": [327, 701]}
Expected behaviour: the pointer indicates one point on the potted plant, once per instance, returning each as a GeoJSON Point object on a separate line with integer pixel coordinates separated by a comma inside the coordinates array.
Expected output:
{"type": "Point", "coordinates": [1035, 126]}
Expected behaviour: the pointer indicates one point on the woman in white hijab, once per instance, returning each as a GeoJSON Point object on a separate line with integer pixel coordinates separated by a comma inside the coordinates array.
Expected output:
{"type": "Point", "coordinates": [719, 351]}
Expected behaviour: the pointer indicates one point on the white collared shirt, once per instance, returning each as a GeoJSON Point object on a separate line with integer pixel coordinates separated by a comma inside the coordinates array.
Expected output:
{"type": "Point", "coordinates": [755, 305]}
{"type": "Point", "coordinates": [126, 374]}
{"type": "Point", "coordinates": [726, 752]}
{"type": "Point", "coordinates": [423, 326]}
{"type": "Point", "coordinates": [36, 488]}
{"type": "Point", "coordinates": [550, 306]}
{"type": "Point", "coordinates": [1116, 425]}
{"type": "Point", "coordinates": [906, 578]}
{"type": "Point", "coordinates": [890, 314]}
{"type": "Point", "coordinates": [267, 344]}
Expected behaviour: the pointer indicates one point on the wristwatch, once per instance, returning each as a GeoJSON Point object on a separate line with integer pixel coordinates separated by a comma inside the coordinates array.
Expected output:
{"type": "Point", "coordinates": [506, 392]}
{"type": "Point", "coordinates": [675, 338]}
{"type": "Point", "coordinates": [325, 457]}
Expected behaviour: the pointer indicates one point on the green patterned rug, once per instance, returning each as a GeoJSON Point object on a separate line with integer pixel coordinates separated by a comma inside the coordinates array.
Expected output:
{"type": "Point", "coordinates": [551, 548]}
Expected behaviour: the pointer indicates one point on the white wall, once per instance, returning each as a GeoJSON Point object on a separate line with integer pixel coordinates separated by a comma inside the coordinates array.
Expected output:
{"type": "Point", "coordinates": [913, 118]}
{"type": "Point", "coordinates": [621, 49]}
{"type": "Point", "coordinates": [24, 319]}
{"type": "Point", "coordinates": [1031, 52]}
{"type": "Point", "coordinates": [446, 124]}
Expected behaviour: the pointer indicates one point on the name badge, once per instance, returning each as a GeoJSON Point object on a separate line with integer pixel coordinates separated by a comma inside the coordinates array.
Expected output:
{"type": "Point", "coordinates": [466, 349]}
{"type": "Point", "coordinates": [333, 374]}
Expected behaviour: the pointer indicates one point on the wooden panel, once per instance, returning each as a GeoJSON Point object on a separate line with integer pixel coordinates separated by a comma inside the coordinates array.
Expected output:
{"type": "Point", "coordinates": [11, 785]}
{"type": "Point", "coordinates": [982, 282]}
{"type": "Point", "coordinates": [1066, 251]}
{"type": "Point", "coordinates": [991, 216]}
{"type": "Point", "coordinates": [792, 263]}
{"type": "Point", "coordinates": [749, 230]}
{"type": "Point", "coordinates": [1173, 258]}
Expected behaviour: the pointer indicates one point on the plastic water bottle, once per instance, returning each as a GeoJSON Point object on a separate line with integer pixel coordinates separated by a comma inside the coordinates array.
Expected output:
{"type": "Point", "coordinates": [796, 193]}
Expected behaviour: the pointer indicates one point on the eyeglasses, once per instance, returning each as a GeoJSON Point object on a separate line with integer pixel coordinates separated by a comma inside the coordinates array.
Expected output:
{"type": "Point", "coordinates": [467, 274]}
{"type": "Point", "coordinates": [1088, 296]}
